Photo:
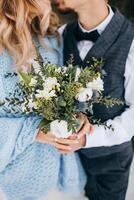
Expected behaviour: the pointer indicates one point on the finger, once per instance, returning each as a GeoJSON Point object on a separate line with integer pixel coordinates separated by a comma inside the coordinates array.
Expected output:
{"type": "Point", "coordinates": [67, 152]}
{"type": "Point", "coordinates": [82, 117]}
{"type": "Point", "coordinates": [66, 141]}
{"type": "Point", "coordinates": [73, 137]}
{"type": "Point", "coordinates": [84, 131]}
{"type": "Point", "coordinates": [62, 147]}
{"type": "Point", "coordinates": [91, 129]}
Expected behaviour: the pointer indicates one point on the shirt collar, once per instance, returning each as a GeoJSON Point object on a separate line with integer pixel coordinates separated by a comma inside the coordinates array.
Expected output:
{"type": "Point", "coordinates": [101, 27]}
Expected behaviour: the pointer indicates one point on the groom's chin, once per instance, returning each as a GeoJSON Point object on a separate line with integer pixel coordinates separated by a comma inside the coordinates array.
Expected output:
{"type": "Point", "coordinates": [62, 9]}
{"type": "Point", "coordinates": [65, 11]}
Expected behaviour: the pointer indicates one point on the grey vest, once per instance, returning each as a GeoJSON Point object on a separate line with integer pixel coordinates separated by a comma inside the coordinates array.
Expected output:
{"type": "Point", "coordinates": [113, 45]}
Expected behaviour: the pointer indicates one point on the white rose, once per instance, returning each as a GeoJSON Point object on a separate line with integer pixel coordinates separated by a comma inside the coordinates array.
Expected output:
{"type": "Point", "coordinates": [33, 82]}
{"type": "Point", "coordinates": [97, 84]}
{"type": "Point", "coordinates": [78, 71]}
{"type": "Point", "coordinates": [60, 129]}
{"type": "Point", "coordinates": [50, 83]}
{"type": "Point", "coordinates": [84, 95]}
{"type": "Point", "coordinates": [45, 94]}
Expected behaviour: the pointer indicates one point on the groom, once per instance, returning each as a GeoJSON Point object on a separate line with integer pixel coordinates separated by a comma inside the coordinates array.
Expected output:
{"type": "Point", "coordinates": [102, 31]}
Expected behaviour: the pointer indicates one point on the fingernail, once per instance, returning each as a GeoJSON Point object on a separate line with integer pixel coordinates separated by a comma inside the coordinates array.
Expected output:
{"type": "Point", "coordinates": [69, 148]}
{"type": "Point", "coordinates": [76, 142]}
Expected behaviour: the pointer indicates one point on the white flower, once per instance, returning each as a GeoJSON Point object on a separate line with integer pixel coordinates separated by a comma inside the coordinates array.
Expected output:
{"type": "Point", "coordinates": [97, 84]}
{"type": "Point", "coordinates": [58, 69]}
{"type": "Point", "coordinates": [23, 107]}
{"type": "Point", "coordinates": [78, 71]}
{"type": "Point", "coordinates": [45, 94]}
{"type": "Point", "coordinates": [50, 83]}
{"type": "Point", "coordinates": [31, 104]}
{"type": "Point", "coordinates": [64, 70]}
{"type": "Point", "coordinates": [70, 65]}
{"type": "Point", "coordinates": [35, 65]}
{"type": "Point", "coordinates": [33, 82]}
{"type": "Point", "coordinates": [84, 95]}
{"type": "Point", "coordinates": [60, 129]}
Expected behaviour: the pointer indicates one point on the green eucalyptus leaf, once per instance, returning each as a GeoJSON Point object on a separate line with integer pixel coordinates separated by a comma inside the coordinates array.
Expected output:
{"type": "Point", "coordinates": [44, 124]}
{"type": "Point", "coordinates": [61, 102]}
{"type": "Point", "coordinates": [25, 77]}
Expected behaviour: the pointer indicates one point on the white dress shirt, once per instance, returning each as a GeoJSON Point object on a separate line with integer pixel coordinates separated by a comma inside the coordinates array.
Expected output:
{"type": "Point", "coordinates": [124, 124]}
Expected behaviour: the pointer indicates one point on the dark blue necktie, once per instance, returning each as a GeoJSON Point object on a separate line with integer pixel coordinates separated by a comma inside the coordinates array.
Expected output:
{"type": "Point", "coordinates": [91, 36]}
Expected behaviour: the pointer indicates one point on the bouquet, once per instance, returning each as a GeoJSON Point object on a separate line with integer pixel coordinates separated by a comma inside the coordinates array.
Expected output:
{"type": "Point", "coordinates": [60, 94]}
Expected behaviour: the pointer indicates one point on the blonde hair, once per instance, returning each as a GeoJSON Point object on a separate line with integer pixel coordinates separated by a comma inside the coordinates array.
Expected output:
{"type": "Point", "coordinates": [19, 20]}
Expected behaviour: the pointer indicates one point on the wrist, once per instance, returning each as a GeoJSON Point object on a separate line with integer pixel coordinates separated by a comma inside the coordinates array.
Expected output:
{"type": "Point", "coordinates": [83, 141]}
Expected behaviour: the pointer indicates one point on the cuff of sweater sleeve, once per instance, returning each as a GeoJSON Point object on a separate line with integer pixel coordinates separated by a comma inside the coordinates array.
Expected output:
{"type": "Point", "coordinates": [27, 135]}
{"type": "Point", "coordinates": [31, 136]}
{"type": "Point", "coordinates": [35, 130]}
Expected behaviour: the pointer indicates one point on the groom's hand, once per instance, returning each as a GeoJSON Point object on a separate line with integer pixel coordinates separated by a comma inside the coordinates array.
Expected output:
{"type": "Point", "coordinates": [76, 141]}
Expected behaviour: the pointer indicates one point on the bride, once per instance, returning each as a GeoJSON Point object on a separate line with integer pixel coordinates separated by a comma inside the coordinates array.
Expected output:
{"type": "Point", "coordinates": [30, 164]}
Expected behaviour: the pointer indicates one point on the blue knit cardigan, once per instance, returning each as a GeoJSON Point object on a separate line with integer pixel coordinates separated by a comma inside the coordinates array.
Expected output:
{"type": "Point", "coordinates": [29, 169]}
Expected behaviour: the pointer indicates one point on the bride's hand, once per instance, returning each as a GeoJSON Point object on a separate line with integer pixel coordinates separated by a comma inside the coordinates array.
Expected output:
{"type": "Point", "coordinates": [78, 140]}
{"type": "Point", "coordinates": [49, 138]}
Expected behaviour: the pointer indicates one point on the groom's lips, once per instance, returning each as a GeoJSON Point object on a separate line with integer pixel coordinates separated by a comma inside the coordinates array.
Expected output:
{"type": "Point", "coordinates": [58, 2]}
